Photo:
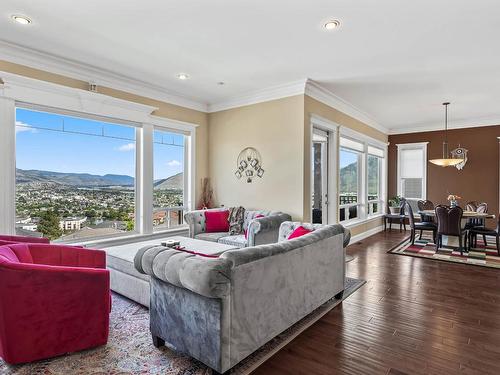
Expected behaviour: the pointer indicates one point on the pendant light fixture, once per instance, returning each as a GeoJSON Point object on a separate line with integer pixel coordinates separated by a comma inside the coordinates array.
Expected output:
{"type": "Point", "coordinates": [447, 160]}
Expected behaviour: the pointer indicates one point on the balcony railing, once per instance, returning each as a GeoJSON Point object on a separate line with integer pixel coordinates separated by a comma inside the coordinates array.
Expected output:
{"type": "Point", "coordinates": [173, 217]}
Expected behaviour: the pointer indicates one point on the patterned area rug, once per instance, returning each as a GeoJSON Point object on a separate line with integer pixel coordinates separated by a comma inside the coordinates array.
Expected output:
{"type": "Point", "coordinates": [131, 351]}
{"type": "Point", "coordinates": [480, 255]}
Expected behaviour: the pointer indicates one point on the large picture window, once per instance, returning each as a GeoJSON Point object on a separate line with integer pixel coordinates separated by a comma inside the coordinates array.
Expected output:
{"type": "Point", "coordinates": [168, 186]}
{"type": "Point", "coordinates": [361, 174]}
{"type": "Point", "coordinates": [75, 176]}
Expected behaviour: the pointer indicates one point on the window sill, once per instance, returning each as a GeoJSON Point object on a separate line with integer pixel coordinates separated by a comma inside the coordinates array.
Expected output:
{"type": "Point", "coordinates": [355, 223]}
{"type": "Point", "coordinates": [100, 243]}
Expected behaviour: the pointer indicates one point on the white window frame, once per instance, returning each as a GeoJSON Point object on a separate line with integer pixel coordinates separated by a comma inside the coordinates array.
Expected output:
{"type": "Point", "coordinates": [413, 146]}
{"type": "Point", "coordinates": [25, 92]}
{"type": "Point", "coordinates": [320, 123]}
{"type": "Point", "coordinates": [363, 177]}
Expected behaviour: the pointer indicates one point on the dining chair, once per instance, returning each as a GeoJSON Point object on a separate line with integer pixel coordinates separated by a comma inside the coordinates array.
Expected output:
{"type": "Point", "coordinates": [401, 218]}
{"type": "Point", "coordinates": [449, 223]}
{"type": "Point", "coordinates": [473, 232]}
{"type": "Point", "coordinates": [414, 226]}
{"type": "Point", "coordinates": [424, 205]}
{"type": "Point", "coordinates": [471, 206]}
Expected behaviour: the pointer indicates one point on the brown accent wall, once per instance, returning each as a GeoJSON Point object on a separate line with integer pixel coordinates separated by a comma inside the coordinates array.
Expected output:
{"type": "Point", "coordinates": [479, 180]}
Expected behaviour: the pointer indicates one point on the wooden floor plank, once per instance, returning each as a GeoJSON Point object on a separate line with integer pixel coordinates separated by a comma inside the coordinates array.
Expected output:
{"type": "Point", "coordinates": [413, 316]}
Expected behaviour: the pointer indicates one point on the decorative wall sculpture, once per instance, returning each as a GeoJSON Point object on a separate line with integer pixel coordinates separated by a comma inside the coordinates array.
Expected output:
{"type": "Point", "coordinates": [249, 164]}
{"type": "Point", "coordinates": [460, 153]}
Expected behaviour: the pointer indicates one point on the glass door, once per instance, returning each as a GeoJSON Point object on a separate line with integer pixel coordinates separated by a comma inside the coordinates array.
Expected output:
{"type": "Point", "coordinates": [319, 176]}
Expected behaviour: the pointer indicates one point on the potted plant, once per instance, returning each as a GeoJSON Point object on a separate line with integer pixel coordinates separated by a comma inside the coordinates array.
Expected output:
{"type": "Point", "coordinates": [395, 205]}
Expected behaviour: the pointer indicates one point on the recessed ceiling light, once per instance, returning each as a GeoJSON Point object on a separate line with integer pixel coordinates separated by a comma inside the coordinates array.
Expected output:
{"type": "Point", "coordinates": [332, 25]}
{"type": "Point", "coordinates": [183, 76]}
{"type": "Point", "coordinates": [221, 83]}
{"type": "Point", "coordinates": [23, 20]}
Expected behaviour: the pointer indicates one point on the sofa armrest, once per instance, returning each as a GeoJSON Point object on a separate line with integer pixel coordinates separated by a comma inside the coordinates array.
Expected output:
{"type": "Point", "coordinates": [70, 256]}
{"type": "Point", "coordinates": [265, 230]}
{"type": "Point", "coordinates": [347, 237]}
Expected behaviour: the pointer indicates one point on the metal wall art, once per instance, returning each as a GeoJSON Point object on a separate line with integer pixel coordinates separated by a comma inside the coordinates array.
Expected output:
{"type": "Point", "coordinates": [460, 153]}
{"type": "Point", "coordinates": [249, 164]}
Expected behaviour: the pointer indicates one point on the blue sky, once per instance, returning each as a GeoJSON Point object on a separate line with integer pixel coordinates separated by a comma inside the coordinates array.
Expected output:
{"type": "Point", "coordinates": [347, 157]}
{"type": "Point", "coordinates": [82, 153]}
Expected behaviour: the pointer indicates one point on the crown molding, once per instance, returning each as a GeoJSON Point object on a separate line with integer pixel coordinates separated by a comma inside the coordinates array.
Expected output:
{"type": "Point", "coordinates": [88, 73]}
{"type": "Point", "coordinates": [325, 96]}
{"type": "Point", "coordinates": [260, 96]}
{"type": "Point", "coordinates": [46, 94]}
{"type": "Point", "coordinates": [457, 124]}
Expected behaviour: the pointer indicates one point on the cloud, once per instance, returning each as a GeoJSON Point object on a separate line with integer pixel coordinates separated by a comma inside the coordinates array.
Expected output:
{"type": "Point", "coordinates": [174, 163]}
{"type": "Point", "coordinates": [127, 147]}
{"type": "Point", "coordinates": [22, 127]}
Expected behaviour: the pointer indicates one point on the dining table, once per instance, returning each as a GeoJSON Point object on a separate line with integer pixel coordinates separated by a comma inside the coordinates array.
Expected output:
{"type": "Point", "coordinates": [453, 241]}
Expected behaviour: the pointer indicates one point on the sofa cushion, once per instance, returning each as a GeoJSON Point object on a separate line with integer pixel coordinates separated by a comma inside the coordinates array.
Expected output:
{"type": "Point", "coordinates": [216, 221]}
{"type": "Point", "coordinates": [237, 240]}
{"type": "Point", "coordinates": [214, 237]}
{"type": "Point", "coordinates": [299, 232]}
{"type": "Point", "coordinates": [122, 259]}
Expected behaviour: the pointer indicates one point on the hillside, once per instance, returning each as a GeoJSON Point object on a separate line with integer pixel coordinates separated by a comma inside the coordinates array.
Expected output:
{"type": "Point", "coordinates": [72, 179]}
{"type": "Point", "coordinates": [175, 182]}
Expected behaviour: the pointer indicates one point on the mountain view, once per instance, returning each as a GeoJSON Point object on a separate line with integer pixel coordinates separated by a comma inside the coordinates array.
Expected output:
{"type": "Point", "coordinates": [349, 177]}
{"type": "Point", "coordinates": [71, 206]}
{"type": "Point", "coordinates": [174, 182]}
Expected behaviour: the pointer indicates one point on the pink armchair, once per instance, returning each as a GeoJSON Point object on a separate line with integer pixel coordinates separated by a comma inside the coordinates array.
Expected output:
{"type": "Point", "coordinates": [58, 300]}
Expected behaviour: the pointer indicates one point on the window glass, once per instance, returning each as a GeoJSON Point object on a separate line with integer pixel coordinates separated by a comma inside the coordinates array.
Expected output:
{"type": "Point", "coordinates": [75, 177]}
{"type": "Point", "coordinates": [168, 185]}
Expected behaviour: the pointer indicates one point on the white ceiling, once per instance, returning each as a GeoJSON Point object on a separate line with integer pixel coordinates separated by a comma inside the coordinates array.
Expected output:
{"type": "Point", "coordinates": [394, 60]}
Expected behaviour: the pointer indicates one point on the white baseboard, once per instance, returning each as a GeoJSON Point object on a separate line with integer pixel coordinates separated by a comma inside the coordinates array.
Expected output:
{"type": "Point", "coordinates": [366, 234]}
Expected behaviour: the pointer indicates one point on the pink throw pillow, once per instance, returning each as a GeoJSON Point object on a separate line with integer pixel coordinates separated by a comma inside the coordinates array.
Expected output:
{"type": "Point", "coordinates": [216, 221]}
{"type": "Point", "coordinates": [299, 232]}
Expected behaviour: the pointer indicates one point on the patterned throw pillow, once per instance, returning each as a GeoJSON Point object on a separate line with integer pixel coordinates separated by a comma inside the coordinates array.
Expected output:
{"type": "Point", "coordinates": [236, 219]}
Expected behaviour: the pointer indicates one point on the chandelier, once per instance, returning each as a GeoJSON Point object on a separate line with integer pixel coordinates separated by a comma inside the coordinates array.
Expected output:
{"type": "Point", "coordinates": [446, 160]}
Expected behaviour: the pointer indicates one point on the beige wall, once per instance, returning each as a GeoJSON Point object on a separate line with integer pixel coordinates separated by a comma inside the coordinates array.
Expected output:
{"type": "Point", "coordinates": [276, 130]}
{"type": "Point", "coordinates": [279, 130]}
{"type": "Point", "coordinates": [167, 110]}
{"type": "Point", "coordinates": [313, 106]}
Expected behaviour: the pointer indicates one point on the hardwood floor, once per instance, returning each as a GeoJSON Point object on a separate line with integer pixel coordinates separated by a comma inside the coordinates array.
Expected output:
{"type": "Point", "coordinates": [414, 316]}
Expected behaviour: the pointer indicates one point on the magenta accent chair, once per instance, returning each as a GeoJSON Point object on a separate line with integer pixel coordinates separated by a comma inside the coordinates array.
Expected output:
{"type": "Point", "coordinates": [55, 300]}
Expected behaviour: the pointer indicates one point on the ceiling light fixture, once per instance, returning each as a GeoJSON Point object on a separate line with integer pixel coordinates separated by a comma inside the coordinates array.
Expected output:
{"type": "Point", "coordinates": [446, 161]}
{"type": "Point", "coordinates": [23, 20]}
{"type": "Point", "coordinates": [332, 25]}
{"type": "Point", "coordinates": [183, 76]}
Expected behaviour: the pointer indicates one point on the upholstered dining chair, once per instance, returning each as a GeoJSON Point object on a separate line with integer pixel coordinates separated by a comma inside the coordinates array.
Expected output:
{"type": "Point", "coordinates": [449, 223]}
{"type": "Point", "coordinates": [471, 206]}
{"type": "Point", "coordinates": [473, 232]}
{"type": "Point", "coordinates": [414, 226]}
{"type": "Point", "coordinates": [422, 206]}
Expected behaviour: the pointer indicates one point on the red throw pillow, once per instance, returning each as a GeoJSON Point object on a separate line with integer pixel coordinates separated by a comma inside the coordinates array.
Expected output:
{"type": "Point", "coordinates": [246, 230]}
{"type": "Point", "coordinates": [216, 221]}
{"type": "Point", "coordinates": [299, 232]}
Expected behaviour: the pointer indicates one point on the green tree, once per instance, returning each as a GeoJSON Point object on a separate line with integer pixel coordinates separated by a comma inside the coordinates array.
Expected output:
{"type": "Point", "coordinates": [49, 225]}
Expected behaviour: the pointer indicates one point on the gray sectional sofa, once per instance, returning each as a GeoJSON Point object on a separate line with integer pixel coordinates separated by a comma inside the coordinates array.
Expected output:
{"type": "Point", "coordinates": [220, 310]}
{"type": "Point", "coordinates": [260, 230]}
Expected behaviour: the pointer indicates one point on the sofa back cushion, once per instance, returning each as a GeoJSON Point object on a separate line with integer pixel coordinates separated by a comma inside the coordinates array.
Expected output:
{"type": "Point", "coordinates": [216, 221]}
